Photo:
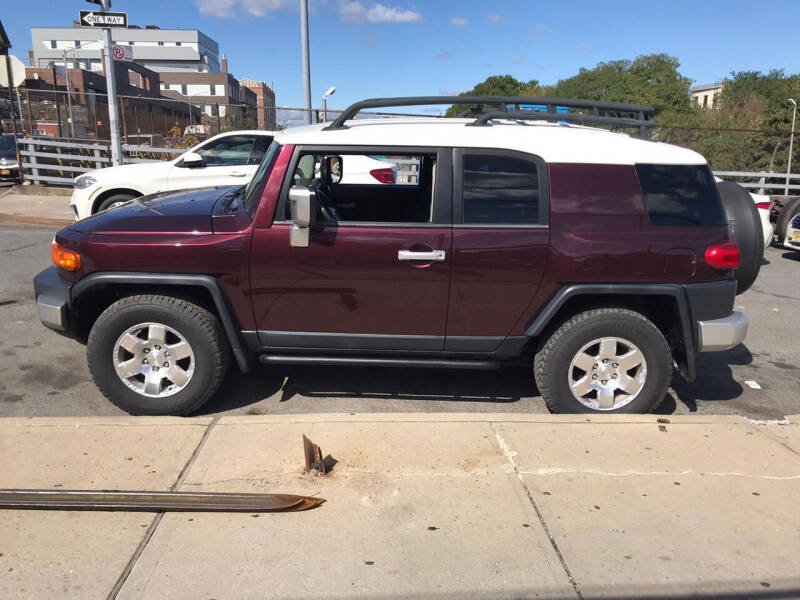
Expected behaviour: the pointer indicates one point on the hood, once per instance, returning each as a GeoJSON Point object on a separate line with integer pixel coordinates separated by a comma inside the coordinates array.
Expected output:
{"type": "Point", "coordinates": [178, 211]}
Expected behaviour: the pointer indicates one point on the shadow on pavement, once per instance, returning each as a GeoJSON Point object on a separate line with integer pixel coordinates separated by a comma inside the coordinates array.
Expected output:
{"type": "Point", "coordinates": [714, 383]}
{"type": "Point", "coordinates": [792, 255]}
{"type": "Point", "coordinates": [505, 385]}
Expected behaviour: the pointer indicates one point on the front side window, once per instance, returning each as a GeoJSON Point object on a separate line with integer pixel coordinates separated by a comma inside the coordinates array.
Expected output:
{"type": "Point", "coordinates": [259, 180]}
{"type": "Point", "coordinates": [369, 188]}
{"type": "Point", "coordinates": [500, 189]}
{"type": "Point", "coordinates": [227, 151]}
{"type": "Point", "coordinates": [681, 195]}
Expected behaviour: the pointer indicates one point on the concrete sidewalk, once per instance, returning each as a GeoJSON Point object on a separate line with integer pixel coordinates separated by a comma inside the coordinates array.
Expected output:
{"type": "Point", "coordinates": [422, 506]}
{"type": "Point", "coordinates": [24, 205]}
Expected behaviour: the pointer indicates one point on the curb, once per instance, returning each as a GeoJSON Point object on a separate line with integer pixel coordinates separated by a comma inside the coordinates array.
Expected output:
{"type": "Point", "coordinates": [23, 220]}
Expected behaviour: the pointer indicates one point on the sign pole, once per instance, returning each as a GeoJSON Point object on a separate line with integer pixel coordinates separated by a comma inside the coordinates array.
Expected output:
{"type": "Point", "coordinates": [111, 85]}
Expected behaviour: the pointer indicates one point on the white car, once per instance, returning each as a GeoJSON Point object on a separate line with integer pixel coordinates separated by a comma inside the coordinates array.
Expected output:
{"type": "Point", "coordinates": [226, 159]}
{"type": "Point", "coordinates": [363, 169]}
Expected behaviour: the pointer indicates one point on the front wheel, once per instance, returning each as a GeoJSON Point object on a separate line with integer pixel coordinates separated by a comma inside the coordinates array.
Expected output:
{"type": "Point", "coordinates": [606, 360]}
{"type": "Point", "coordinates": [157, 355]}
{"type": "Point", "coordinates": [114, 201]}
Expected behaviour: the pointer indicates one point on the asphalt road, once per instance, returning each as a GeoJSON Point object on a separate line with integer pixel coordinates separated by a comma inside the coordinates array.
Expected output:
{"type": "Point", "coordinates": [44, 374]}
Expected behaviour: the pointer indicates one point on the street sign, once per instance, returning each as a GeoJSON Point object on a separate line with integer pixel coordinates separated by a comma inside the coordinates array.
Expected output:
{"type": "Point", "coordinates": [17, 71]}
{"type": "Point", "coordinates": [122, 53]}
{"type": "Point", "coordinates": [92, 18]}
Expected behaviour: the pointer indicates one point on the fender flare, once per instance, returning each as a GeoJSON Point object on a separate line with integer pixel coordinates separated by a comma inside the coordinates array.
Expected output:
{"type": "Point", "coordinates": [212, 284]}
{"type": "Point", "coordinates": [676, 291]}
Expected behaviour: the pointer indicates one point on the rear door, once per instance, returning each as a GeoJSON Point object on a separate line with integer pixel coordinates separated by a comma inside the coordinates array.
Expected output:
{"type": "Point", "coordinates": [368, 280]}
{"type": "Point", "coordinates": [500, 244]}
{"type": "Point", "coordinates": [226, 161]}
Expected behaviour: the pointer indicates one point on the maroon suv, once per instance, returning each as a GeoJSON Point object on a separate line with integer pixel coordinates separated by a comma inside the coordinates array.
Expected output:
{"type": "Point", "coordinates": [599, 259]}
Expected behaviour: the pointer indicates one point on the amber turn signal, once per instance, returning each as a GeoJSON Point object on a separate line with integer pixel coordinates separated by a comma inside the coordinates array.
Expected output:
{"type": "Point", "coordinates": [64, 258]}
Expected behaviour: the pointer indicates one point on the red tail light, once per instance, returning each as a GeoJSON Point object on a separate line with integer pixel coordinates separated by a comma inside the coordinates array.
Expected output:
{"type": "Point", "coordinates": [383, 175]}
{"type": "Point", "coordinates": [762, 205]}
{"type": "Point", "coordinates": [724, 255]}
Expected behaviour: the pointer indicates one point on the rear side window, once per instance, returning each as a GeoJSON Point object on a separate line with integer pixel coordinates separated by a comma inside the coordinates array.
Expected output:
{"type": "Point", "coordinates": [500, 189]}
{"type": "Point", "coordinates": [681, 195]}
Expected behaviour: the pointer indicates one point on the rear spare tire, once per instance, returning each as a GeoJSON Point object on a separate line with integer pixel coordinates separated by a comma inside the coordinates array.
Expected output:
{"type": "Point", "coordinates": [743, 216]}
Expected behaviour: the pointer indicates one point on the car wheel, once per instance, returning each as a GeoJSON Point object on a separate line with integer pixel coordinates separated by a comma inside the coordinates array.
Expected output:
{"type": "Point", "coordinates": [742, 213]}
{"type": "Point", "coordinates": [605, 360]}
{"type": "Point", "coordinates": [114, 201]}
{"type": "Point", "coordinates": [157, 355]}
{"type": "Point", "coordinates": [788, 212]}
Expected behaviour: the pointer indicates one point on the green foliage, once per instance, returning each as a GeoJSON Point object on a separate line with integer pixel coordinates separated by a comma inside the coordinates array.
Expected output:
{"type": "Point", "coordinates": [496, 85]}
{"type": "Point", "coordinates": [748, 130]}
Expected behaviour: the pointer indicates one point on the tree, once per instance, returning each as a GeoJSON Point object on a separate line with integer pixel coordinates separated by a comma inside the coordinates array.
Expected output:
{"type": "Point", "coordinates": [496, 85]}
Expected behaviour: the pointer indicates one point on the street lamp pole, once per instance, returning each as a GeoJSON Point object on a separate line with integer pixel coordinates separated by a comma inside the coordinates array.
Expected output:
{"type": "Point", "coordinates": [331, 91]}
{"type": "Point", "coordinates": [69, 97]}
{"type": "Point", "coordinates": [791, 144]}
{"type": "Point", "coordinates": [306, 61]}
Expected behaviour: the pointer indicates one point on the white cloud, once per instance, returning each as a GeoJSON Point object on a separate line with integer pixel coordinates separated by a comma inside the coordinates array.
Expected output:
{"type": "Point", "coordinates": [354, 11]}
{"type": "Point", "coordinates": [445, 55]}
{"type": "Point", "coordinates": [496, 18]}
{"type": "Point", "coordinates": [517, 60]}
{"type": "Point", "coordinates": [229, 8]}
{"type": "Point", "coordinates": [458, 22]}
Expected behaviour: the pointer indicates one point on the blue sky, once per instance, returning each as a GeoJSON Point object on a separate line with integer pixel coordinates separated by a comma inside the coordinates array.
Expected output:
{"type": "Point", "coordinates": [412, 47]}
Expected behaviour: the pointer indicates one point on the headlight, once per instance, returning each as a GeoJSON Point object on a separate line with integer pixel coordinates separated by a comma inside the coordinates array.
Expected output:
{"type": "Point", "coordinates": [81, 183]}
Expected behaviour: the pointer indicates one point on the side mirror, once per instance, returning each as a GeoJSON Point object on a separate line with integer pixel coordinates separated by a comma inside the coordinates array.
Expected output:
{"type": "Point", "coordinates": [331, 170]}
{"type": "Point", "coordinates": [192, 159]}
{"type": "Point", "coordinates": [303, 204]}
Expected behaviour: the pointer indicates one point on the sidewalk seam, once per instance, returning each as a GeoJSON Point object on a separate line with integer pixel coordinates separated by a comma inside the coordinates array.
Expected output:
{"type": "Point", "coordinates": [763, 432]}
{"type": "Point", "coordinates": [151, 529]}
{"type": "Point", "coordinates": [506, 451]}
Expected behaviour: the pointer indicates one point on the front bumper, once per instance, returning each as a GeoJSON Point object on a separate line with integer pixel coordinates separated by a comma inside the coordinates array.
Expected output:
{"type": "Point", "coordinates": [716, 335]}
{"type": "Point", "coordinates": [9, 173]}
{"type": "Point", "coordinates": [792, 232]}
{"type": "Point", "coordinates": [53, 301]}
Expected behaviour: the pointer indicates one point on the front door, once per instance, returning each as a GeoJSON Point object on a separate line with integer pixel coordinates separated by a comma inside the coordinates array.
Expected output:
{"type": "Point", "coordinates": [226, 161]}
{"type": "Point", "coordinates": [376, 274]}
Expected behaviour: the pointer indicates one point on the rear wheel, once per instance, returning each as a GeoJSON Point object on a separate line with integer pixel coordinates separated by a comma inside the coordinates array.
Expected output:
{"type": "Point", "coordinates": [788, 212]}
{"type": "Point", "coordinates": [157, 355]}
{"type": "Point", "coordinates": [114, 201]}
{"type": "Point", "coordinates": [606, 360]}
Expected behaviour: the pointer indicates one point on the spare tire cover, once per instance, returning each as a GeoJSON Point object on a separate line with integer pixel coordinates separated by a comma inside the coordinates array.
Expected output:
{"type": "Point", "coordinates": [743, 216]}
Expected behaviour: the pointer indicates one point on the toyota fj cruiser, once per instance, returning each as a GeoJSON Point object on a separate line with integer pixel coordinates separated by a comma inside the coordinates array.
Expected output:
{"type": "Point", "coordinates": [599, 259]}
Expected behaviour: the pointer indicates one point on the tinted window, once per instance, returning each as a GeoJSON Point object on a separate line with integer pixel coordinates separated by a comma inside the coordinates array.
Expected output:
{"type": "Point", "coordinates": [259, 149]}
{"type": "Point", "coordinates": [259, 180]}
{"type": "Point", "coordinates": [227, 151]}
{"type": "Point", "coordinates": [500, 189]}
{"type": "Point", "coordinates": [681, 195]}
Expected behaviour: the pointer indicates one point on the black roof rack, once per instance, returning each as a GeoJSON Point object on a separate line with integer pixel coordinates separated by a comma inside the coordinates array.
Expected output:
{"type": "Point", "coordinates": [618, 114]}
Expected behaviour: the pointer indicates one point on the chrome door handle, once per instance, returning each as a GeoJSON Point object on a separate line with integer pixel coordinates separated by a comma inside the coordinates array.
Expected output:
{"type": "Point", "coordinates": [432, 256]}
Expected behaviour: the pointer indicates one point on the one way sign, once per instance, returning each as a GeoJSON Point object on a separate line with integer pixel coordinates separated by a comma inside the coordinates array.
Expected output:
{"type": "Point", "coordinates": [91, 18]}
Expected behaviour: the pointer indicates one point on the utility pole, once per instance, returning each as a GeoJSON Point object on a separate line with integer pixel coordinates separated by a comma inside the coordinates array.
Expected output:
{"type": "Point", "coordinates": [111, 85]}
{"type": "Point", "coordinates": [306, 63]}
{"type": "Point", "coordinates": [69, 97]}
{"type": "Point", "coordinates": [793, 102]}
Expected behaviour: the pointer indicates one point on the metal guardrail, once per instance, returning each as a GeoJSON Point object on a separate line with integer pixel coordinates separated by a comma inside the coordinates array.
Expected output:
{"type": "Point", "coordinates": [57, 162]}
{"type": "Point", "coordinates": [781, 181]}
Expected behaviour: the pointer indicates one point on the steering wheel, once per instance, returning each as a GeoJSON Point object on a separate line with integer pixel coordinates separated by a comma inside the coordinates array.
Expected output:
{"type": "Point", "coordinates": [326, 205]}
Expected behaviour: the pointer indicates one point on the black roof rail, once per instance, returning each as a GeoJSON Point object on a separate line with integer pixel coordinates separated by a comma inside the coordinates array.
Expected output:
{"type": "Point", "coordinates": [602, 113]}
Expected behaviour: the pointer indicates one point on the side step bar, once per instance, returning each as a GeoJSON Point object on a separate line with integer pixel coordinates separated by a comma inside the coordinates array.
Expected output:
{"type": "Point", "coordinates": [345, 361]}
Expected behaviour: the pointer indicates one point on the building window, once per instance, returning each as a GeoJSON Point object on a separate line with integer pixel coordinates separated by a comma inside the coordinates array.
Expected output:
{"type": "Point", "coordinates": [166, 86]}
{"type": "Point", "coordinates": [177, 43]}
{"type": "Point", "coordinates": [705, 101]}
{"type": "Point", "coordinates": [184, 89]}
{"type": "Point", "coordinates": [53, 44]}
{"type": "Point", "coordinates": [212, 90]}
{"type": "Point", "coordinates": [77, 43]}
{"type": "Point", "coordinates": [160, 43]}
{"type": "Point", "coordinates": [130, 43]}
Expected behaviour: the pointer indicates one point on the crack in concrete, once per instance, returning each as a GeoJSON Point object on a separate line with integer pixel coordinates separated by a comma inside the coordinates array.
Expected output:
{"type": "Point", "coordinates": [565, 471]}
{"type": "Point", "coordinates": [510, 454]}
{"type": "Point", "coordinates": [151, 529]}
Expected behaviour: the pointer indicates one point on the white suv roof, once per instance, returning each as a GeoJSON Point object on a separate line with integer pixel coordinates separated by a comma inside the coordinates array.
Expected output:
{"type": "Point", "coordinates": [554, 142]}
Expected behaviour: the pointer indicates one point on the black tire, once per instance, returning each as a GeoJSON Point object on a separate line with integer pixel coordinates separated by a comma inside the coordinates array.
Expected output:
{"type": "Point", "coordinates": [789, 210]}
{"type": "Point", "coordinates": [551, 365]}
{"type": "Point", "coordinates": [200, 328]}
{"type": "Point", "coordinates": [114, 199]}
{"type": "Point", "coordinates": [747, 232]}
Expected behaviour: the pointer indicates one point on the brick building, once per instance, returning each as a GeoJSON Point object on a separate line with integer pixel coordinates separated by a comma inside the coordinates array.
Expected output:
{"type": "Point", "coordinates": [265, 98]}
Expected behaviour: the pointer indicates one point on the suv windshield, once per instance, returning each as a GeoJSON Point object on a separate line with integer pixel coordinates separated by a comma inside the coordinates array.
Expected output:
{"type": "Point", "coordinates": [256, 184]}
